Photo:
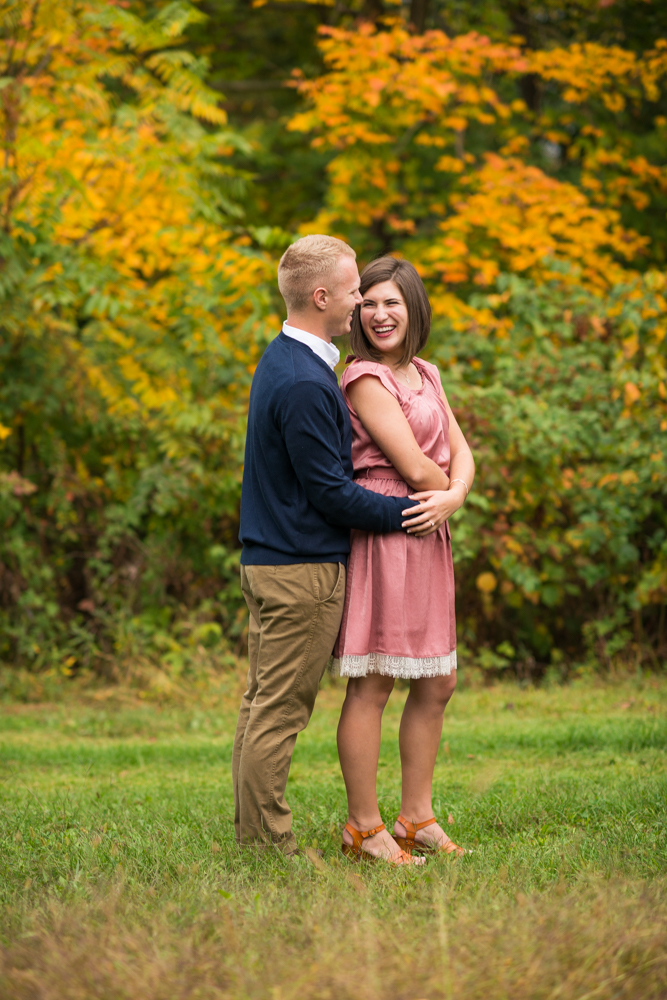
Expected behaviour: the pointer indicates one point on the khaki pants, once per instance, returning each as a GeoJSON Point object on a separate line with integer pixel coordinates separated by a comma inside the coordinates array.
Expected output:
{"type": "Point", "coordinates": [295, 614]}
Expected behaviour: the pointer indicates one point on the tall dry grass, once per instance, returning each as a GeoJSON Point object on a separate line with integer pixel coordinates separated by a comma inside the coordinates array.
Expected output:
{"type": "Point", "coordinates": [341, 941]}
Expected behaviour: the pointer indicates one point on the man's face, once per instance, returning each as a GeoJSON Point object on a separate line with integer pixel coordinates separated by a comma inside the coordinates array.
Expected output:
{"type": "Point", "coordinates": [343, 297]}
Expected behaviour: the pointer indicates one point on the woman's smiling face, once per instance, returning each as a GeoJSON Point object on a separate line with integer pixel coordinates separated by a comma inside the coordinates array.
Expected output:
{"type": "Point", "coordinates": [384, 318]}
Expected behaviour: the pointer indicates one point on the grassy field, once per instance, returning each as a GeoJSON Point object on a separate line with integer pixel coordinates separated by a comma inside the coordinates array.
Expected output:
{"type": "Point", "coordinates": [120, 879]}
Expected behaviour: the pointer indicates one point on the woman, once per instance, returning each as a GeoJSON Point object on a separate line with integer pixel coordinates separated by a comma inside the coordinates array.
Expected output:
{"type": "Point", "coordinates": [399, 609]}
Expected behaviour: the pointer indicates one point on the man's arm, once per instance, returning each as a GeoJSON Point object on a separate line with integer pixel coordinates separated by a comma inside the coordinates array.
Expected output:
{"type": "Point", "coordinates": [311, 435]}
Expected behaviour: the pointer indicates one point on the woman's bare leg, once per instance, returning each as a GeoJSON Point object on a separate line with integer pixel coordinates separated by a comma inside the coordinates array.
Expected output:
{"type": "Point", "coordinates": [359, 732]}
{"type": "Point", "coordinates": [419, 740]}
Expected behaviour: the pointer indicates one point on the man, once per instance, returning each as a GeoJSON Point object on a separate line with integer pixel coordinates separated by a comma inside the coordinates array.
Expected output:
{"type": "Point", "coordinates": [297, 507]}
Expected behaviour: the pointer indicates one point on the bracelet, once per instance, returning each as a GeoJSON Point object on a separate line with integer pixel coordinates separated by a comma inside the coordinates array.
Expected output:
{"type": "Point", "coordinates": [460, 481]}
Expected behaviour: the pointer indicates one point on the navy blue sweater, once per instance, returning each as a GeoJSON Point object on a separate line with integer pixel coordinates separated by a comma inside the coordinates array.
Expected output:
{"type": "Point", "coordinates": [299, 501]}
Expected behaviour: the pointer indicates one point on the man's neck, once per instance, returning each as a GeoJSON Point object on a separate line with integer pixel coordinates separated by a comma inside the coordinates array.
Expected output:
{"type": "Point", "coordinates": [309, 324]}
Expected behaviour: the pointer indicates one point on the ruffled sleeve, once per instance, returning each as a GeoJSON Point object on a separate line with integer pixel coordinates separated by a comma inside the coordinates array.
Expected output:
{"type": "Point", "coordinates": [359, 368]}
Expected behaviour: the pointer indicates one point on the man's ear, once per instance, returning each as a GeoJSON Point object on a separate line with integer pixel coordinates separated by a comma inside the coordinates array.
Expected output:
{"type": "Point", "coordinates": [320, 298]}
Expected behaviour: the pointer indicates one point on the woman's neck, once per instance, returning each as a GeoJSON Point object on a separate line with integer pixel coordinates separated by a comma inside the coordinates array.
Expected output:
{"type": "Point", "coordinates": [393, 360]}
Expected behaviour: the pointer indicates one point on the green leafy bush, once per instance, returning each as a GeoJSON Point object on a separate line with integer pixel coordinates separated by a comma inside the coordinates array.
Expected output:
{"type": "Point", "coordinates": [132, 314]}
{"type": "Point", "coordinates": [561, 551]}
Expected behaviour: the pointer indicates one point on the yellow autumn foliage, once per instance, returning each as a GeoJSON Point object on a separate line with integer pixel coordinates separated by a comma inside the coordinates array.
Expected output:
{"type": "Point", "coordinates": [122, 185]}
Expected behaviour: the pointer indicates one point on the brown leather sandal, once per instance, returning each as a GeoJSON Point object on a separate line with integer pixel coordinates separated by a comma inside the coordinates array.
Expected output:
{"type": "Point", "coordinates": [410, 843]}
{"type": "Point", "coordinates": [354, 850]}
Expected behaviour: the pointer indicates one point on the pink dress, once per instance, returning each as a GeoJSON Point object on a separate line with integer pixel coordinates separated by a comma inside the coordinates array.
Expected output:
{"type": "Point", "coordinates": [399, 604]}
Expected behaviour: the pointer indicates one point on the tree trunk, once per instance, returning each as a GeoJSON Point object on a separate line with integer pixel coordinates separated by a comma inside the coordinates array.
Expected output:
{"type": "Point", "coordinates": [384, 238]}
{"type": "Point", "coordinates": [20, 448]}
{"type": "Point", "coordinates": [523, 24]}
{"type": "Point", "coordinates": [418, 14]}
{"type": "Point", "coordinates": [373, 10]}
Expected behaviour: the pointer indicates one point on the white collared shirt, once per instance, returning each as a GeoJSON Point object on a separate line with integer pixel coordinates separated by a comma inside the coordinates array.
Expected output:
{"type": "Point", "coordinates": [328, 352]}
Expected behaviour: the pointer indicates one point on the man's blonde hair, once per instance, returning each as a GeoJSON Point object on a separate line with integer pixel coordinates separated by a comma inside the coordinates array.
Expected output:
{"type": "Point", "coordinates": [306, 265]}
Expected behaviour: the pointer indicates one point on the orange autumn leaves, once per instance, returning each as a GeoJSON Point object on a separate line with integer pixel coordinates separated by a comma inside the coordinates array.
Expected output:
{"type": "Point", "coordinates": [512, 216]}
{"type": "Point", "coordinates": [388, 94]}
{"type": "Point", "coordinates": [433, 150]}
{"type": "Point", "coordinates": [617, 76]}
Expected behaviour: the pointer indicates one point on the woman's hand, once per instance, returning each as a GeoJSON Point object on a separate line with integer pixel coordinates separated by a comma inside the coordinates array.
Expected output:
{"type": "Point", "coordinates": [435, 507]}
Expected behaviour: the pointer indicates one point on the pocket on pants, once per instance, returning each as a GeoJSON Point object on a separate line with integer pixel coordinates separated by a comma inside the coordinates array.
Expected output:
{"type": "Point", "coordinates": [330, 580]}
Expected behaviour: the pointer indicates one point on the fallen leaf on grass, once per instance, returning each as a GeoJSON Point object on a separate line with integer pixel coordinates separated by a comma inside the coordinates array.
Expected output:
{"type": "Point", "coordinates": [450, 820]}
{"type": "Point", "coordinates": [485, 776]}
{"type": "Point", "coordinates": [315, 859]}
{"type": "Point", "coordinates": [356, 883]}
{"type": "Point", "coordinates": [355, 880]}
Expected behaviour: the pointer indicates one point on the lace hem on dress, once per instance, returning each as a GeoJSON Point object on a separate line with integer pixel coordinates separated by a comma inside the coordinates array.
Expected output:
{"type": "Point", "coordinates": [395, 666]}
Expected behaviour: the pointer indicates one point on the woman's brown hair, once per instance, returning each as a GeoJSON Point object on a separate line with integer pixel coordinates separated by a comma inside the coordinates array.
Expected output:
{"type": "Point", "coordinates": [404, 275]}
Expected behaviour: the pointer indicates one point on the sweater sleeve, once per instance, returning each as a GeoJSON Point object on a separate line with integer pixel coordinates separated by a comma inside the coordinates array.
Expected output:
{"type": "Point", "coordinates": [312, 439]}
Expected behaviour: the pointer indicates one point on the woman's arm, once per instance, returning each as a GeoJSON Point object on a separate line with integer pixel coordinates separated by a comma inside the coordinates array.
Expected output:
{"type": "Point", "coordinates": [383, 418]}
{"type": "Point", "coordinates": [438, 506]}
{"type": "Point", "coordinates": [461, 462]}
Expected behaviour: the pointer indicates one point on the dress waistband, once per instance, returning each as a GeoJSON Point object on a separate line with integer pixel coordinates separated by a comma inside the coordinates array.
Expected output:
{"type": "Point", "coordinates": [378, 473]}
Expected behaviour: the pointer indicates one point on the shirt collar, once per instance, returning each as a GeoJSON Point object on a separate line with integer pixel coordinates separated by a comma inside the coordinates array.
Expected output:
{"type": "Point", "coordinates": [328, 352]}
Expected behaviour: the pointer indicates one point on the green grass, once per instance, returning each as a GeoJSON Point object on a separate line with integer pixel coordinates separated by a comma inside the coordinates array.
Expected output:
{"type": "Point", "coordinates": [119, 876]}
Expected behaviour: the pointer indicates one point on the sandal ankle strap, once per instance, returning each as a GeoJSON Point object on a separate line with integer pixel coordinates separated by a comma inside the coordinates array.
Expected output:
{"type": "Point", "coordinates": [358, 836]}
{"type": "Point", "coordinates": [411, 828]}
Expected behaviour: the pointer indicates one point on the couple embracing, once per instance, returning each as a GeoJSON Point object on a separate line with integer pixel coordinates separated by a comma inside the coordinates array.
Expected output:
{"type": "Point", "coordinates": [346, 546]}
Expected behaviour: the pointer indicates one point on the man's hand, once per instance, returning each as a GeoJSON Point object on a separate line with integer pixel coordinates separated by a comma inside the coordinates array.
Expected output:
{"type": "Point", "coordinates": [435, 507]}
